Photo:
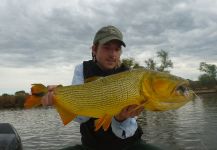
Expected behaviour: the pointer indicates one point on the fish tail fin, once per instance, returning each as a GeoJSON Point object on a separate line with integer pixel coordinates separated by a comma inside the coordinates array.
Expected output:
{"type": "Point", "coordinates": [37, 92]}
{"type": "Point", "coordinates": [104, 122]}
{"type": "Point", "coordinates": [65, 115]}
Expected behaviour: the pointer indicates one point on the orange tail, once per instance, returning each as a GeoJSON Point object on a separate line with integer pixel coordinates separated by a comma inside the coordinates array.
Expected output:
{"type": "Point", "coordinates": [38, 91]}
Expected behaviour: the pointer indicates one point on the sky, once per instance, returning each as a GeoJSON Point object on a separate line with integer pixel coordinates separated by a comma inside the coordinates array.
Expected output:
{"type": "Point", "coordinates": [42, 41]}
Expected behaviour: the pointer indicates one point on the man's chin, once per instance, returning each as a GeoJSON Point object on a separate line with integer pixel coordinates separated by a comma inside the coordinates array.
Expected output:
{"type": "Point", "coordinates": [110, 66]}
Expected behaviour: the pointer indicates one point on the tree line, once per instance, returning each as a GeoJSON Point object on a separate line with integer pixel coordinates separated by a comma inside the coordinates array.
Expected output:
{"type": "Point", "coordinates": [163, 66]}
{"type": "Point", "coordinates": [13, 101]}
{"type": "Point", "coordinates": [207, 79]}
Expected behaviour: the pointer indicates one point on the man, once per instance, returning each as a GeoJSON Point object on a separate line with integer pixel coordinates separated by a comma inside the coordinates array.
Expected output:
{"type": "Point", "coordinates": [124, 132]}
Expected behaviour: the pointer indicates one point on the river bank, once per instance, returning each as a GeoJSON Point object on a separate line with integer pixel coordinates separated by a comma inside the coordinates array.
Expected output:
{"type": "Point", "coordinates": [205, 91]}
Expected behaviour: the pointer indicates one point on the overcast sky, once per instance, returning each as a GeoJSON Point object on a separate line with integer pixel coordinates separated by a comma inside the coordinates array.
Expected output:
{"type": "Point", "coordinates": [42, 40]}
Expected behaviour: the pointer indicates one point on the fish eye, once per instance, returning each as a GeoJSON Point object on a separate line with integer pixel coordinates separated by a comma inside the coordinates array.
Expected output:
{"type": "Point", "coordinates": [182, 90]}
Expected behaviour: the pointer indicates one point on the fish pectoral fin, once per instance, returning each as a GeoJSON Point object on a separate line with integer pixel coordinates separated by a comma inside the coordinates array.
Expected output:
{"type": "Point", "coordinates": [138, 107]}
{"type": "Point", "coordinates": [104, 122]}
{"type": "Point", "coordinates": [65, 115]}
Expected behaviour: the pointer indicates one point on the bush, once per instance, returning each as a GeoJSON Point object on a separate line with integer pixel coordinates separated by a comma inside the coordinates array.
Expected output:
{"type": "Point", "coordinates": [207, 81]}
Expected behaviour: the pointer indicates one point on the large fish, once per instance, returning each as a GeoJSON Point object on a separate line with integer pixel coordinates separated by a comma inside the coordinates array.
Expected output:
{"type": "Point", "coordinates": [106, 96]}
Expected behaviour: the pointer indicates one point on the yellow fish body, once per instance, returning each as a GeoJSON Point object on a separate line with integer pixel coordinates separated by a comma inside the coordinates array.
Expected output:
{"type": "Point", "coordinates": [106, 96]}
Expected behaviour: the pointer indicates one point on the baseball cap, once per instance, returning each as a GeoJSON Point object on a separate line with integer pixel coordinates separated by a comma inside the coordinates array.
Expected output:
{"type": "Point", "coordinates": [108, 33]}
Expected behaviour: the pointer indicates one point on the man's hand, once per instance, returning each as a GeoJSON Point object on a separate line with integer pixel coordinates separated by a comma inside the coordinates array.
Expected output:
{"type": "Point", "coordinates": [47, 100]}
{"type": "Point", "coordinates": [129, 112]}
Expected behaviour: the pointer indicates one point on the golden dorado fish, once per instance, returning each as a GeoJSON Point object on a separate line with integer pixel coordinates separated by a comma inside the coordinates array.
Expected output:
{"type": "Point", "coordinates": [106, 96]}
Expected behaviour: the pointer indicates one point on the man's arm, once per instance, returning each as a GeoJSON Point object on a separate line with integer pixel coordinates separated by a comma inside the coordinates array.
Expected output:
{"type": "Point", "coordinates": [124, 129]}
{"type": "Point", "coordinates": [124, 124]}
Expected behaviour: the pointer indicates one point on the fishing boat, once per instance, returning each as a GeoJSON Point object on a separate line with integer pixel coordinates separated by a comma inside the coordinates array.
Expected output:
{"type": "Point", "coordinates": [9, 138]}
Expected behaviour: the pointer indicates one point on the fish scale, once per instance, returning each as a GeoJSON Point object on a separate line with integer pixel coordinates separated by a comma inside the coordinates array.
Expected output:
{"type": "Point", "coordinates": [110, 92]}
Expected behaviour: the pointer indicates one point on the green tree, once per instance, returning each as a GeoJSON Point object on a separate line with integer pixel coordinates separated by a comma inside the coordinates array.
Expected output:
{"type": "Point", "coordinates": [165, 61]}
{"type": "Point", "coordinates": [209, 78]}
{"type": "Point", "coordinates": [20, 97]}
{"type": "Point", "coordinates": [5, 94]}
{"type": "Point", "coordinates": [207, 81]}
{"type": "Point", "coordinates": [150, 64]}
{"type": "Point", "coordinates": [131, 63]}
{"type": "Point", "coordinates": [209, 69]}
{"type": "Point", "coordinates": [20, 93]}
{"type": "Point", "coordinates": [7, 101]}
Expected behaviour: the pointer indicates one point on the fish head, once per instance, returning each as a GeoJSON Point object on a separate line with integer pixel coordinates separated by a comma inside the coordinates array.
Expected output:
{"type": "Point", "coordinates": [167, 91]}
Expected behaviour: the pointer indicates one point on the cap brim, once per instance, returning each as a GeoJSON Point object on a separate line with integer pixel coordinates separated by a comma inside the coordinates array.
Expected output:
{"type": "Point", "coordinates": [107, 39]}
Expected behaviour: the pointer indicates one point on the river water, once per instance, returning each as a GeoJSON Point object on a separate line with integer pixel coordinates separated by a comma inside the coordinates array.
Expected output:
{"type": "Point", "coordinates": [192, 127]}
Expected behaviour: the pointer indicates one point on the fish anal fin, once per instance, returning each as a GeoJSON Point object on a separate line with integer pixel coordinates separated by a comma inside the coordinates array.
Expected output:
{"type": "Point", "coordinates": [99, 123]}
{"type": "Point", "coordinates": [104, 122]}
{"type": "Point", "coordinates": [65, 115]}
{"type": "Point", "coordinates": [107, 123]}
{"type": "Point", "coordinates": [32, 101]}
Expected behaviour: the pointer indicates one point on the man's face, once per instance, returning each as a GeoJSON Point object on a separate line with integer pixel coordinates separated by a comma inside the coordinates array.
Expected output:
{"type": "Point", "coordinates": [108, 54]}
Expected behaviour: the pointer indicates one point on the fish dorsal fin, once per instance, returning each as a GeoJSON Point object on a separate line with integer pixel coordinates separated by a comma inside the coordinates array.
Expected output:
{"type": "Point", "coordinates": [104, 122]}
{"type": "Point", "coordinates": [65, 115]}
{"type": "Point", "coordinates": [92, 79]}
